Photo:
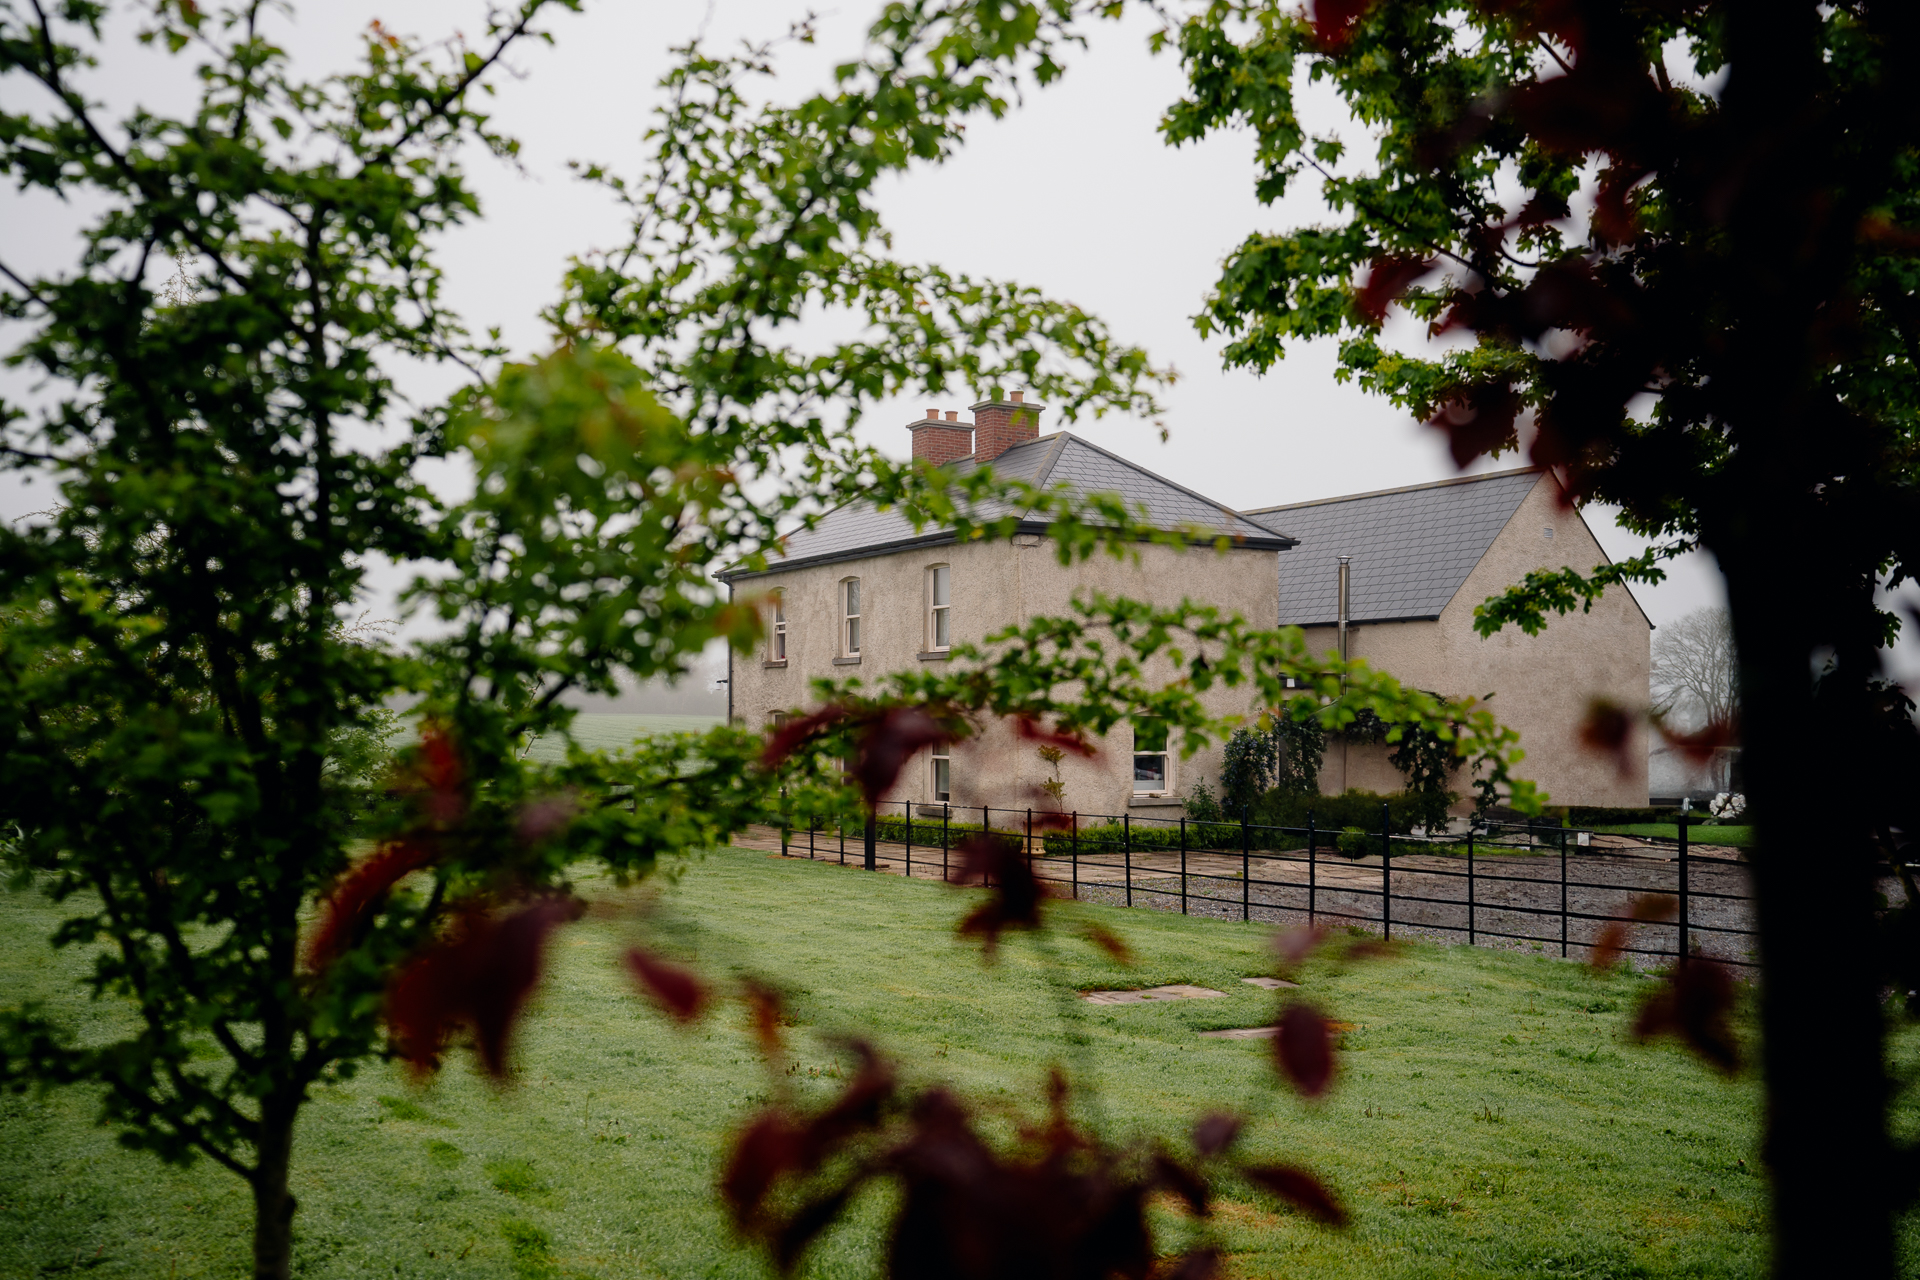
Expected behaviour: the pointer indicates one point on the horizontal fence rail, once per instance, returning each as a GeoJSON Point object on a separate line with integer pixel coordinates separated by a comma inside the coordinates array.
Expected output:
{"type": "Point", "coordinates": [1529, 886]}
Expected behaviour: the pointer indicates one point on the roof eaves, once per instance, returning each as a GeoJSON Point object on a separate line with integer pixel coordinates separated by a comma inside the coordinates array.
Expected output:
{"type": "Point", "coordinates": [1368, 622]}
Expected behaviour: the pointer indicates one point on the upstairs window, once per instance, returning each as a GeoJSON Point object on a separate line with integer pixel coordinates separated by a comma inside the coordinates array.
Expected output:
{"type": "Point", "coordinates": [939, 607]}
{"type": "Point", "coordinates": [777, 628]}
{"type": "Point", "coordinates": [1150, 772]}
{"type": "Point", "coordinates": [850, 618]}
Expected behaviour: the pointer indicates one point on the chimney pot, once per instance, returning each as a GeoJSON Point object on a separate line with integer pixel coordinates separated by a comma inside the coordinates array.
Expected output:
{"type": "Point", "coordinates": [1019, 397]}
{"type": "Point", "coordinates": [933, 415]}
{"type": "Point", "coordinates": [953, 415]}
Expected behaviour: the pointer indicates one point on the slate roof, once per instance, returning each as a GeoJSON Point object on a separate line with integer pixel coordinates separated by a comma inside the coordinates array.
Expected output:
{"type": "Point", "coordinates": [1412, 548]}
{"type": "Point", "coordinates": [860, 529]}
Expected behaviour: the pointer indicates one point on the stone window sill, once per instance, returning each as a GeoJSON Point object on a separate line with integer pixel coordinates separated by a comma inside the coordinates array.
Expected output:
{"type": "Point", "coordinates": [774, 662]}
{"type": "Point", "coordinates": [1154, 802]}
{"type": "Point", "coordinates": [938, 655]}
{"type": "Point", "coordinates": [846, 662]}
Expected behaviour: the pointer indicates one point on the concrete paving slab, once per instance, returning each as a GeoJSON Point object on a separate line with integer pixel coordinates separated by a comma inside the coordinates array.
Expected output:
{"type": "Point", "coordinates": [1178, 991]}
{"type": "Point", "coordinates": [1241, 1033]}
{"type": "Point", "coordinates": [1271, 984]}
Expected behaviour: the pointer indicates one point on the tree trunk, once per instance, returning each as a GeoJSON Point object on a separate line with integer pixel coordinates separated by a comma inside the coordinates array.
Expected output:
{"type": "Point", "coordinates": [1826, 1143]}
{"type": "Point", "coordinates": [273, 1203]}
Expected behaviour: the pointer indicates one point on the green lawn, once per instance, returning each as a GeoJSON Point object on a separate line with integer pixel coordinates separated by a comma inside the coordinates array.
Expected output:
{"type": "Point", "coordinates": [1737, 837]}
{"type": "Point", "coordinates": [609, 731]}
{"type": "Point", "coordinates": [1490, 1121]}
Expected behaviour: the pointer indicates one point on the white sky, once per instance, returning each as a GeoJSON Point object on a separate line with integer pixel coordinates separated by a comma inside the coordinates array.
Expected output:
{"type": "Point", "coordinates": [1075, 194]}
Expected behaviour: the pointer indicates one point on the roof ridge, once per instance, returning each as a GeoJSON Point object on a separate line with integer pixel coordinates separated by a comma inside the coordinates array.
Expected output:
{"type": "Point", "coordinates": [1195, 494]}
{"type": "Point", "coordinates": [1406, 488]}
{"type": "Point", "coordinates": [1050, 461]}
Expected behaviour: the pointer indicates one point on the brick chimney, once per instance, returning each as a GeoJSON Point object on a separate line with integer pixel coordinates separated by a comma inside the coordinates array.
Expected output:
{"type": "Point", "coordinates": [941, 442]}
{"type": "Point", "coordinates": [998, 425]}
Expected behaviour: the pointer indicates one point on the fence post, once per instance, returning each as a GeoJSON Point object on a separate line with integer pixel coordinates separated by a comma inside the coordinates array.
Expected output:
{"type": "Point", "coordinates": [1470, 882]}
{"type": "Point", "coordinates": [1246, 863]}
{"type": "Point", "coordinates": [1685, 924]}
{"type": "Point", "coordinates": [813, 825]}
{"type": "Point", "coordinates": [1563, 893]}
{"type": "Point", "coordinates": [1126, 832]}
{"type": "Point", "coordinates": [842, 824]}
{"type": "Point", "coordinates": [783, 826]}
{"type": "Point", "coordinates": [909, 808]}
{"type": "Point", "coordinates": [1183, 864]}
{"type": "Point", "coordinates": [873, 837]}
{"type": "Point", "coordinates": [946, 816]}
{"type": "Point", "coordinates": [986, 833]}
{"type": "Point", "coordinates": [1029, 839]}
{"type": "Point", "coordinates": [1073, 846]}
{"type": "Point", "coordinates": [1386, 873]}
{"type": "Point", "coordinates": [1312, 870]}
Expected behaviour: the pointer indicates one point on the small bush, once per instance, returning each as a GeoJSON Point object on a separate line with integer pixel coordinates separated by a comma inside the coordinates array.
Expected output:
{"type": "Point", "coordinates": [1355, 842]}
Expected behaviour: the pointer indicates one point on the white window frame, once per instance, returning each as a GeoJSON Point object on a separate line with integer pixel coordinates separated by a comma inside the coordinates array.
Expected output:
{"type": "Point", "coordinates": [939, 612]}
{"type": "Point", "coordinates": [850, 617]}
{"type": "Point", "coordinates": [939, 763]}
{"type": "Point", "coordinates": [777, 627]}
{"type": "Point", "coordinates": [1165, 756]}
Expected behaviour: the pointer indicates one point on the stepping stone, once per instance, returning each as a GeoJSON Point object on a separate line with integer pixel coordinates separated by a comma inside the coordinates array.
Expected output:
{"type": "Point", "coordinates": [1179, 991]}
{"type": "Point", "coordinates": [1271, 984]}
{"type": "Point", "coordinates": [1264, 1033]}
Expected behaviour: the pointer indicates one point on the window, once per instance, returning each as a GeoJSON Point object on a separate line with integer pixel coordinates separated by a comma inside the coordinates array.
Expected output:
{"type": "Point", "coordinates": [939, 607]}
{"type": "Point", "coordinates": [777, 720]}
{"type": "Point", "coordinates": [1150, 758]}
{"type": "Point", "coordinates": [850, 618]}
{"type": "Point", "coordinates": [777, 628]}
{"type": "Point", "coordinates": [942, 772]}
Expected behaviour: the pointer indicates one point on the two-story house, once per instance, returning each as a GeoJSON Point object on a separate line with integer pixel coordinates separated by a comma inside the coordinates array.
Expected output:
{"type": "Point", "coordinates": [864, 593]}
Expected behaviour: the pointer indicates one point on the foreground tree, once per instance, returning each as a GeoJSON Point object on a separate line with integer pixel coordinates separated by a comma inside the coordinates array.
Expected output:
{"type": "Point", "coordinates": [1680, 239]}
{"type": "Point", "coordinates": [180, 692]}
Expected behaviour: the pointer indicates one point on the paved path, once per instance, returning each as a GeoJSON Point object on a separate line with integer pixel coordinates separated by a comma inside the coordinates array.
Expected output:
{"type": "Point", "coordinates": [1517, 899]}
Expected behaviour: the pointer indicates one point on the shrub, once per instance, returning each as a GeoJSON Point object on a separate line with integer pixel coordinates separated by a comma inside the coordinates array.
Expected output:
{"type": "Point", "coordinates": [1353, 808]}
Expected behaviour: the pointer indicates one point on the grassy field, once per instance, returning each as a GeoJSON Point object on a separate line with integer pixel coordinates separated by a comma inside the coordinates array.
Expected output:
{"type": "Point", "coordinates": [1489, 1121]}
{"type": "Point", "coordinates": [1737, 837]}
{"type": "Point", "coordinates": [606, 731]}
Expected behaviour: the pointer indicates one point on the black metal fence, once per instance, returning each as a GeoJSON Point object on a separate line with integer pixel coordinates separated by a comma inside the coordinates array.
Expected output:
{"type": "Point", "coordinates": [1545, 888]}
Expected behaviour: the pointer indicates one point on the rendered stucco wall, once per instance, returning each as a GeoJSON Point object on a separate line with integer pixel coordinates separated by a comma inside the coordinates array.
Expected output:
{"type": "Point", "coordinates": [1542, 685]}
{"type": "Point", "coordinates": [994, 585]}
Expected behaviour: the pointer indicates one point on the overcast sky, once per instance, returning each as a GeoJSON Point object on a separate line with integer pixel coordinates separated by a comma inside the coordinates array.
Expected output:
{"type": "Point", "coordinates": [1075, 194]}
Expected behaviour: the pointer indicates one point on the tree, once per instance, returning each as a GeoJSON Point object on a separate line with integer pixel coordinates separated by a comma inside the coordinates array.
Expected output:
{"type": "Point", "coordinates": [1674, 244]}
{"type": "Point", "coordinates": [185, 714]}
{"type": "Point", "coordinates": [1694, 668]}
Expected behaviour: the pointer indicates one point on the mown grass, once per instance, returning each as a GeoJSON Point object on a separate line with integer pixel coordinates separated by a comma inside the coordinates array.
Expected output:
{"type": "Point", "coordinates": [1490, 1120]}
{"type": "Point", "coordinates": [1736, 837]}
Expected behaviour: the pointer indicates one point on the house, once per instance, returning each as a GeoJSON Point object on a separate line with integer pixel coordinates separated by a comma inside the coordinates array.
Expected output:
{"type": "Point", "coordinates": [863, 593]}
{"type": "Point", "coordinates": [1418, 560]}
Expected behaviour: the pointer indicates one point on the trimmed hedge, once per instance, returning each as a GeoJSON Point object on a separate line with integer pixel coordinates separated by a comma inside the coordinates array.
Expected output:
{"type": "Point", "coordinates": [1354, 808]}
